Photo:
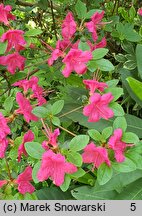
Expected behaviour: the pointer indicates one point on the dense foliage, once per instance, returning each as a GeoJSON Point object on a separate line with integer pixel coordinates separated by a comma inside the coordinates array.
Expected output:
{"type": "Point", "coordinates": [70, 99]}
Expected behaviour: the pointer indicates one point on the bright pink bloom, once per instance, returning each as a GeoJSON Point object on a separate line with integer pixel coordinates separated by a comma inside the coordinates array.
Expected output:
{"type": "Point", "coordinates": [95, 155]}
{"type": "Point", "coordinates": [13, 61]}
{"type": "Point", "coordinates": [140, 11]}
{"type": "Point", "coordinates": [59, 50]}
{"type": "Point", "coordinates": [75, 61]}
{"type": "Point", "coordinates": [101, 44]}
{"type": "Point", "coordinates": [3, 182]}
{"type": "Point", "coordinates": [4, 131]}
{"type": "Point", "coordinates": [25, 108]}
{"type": "Point", "coordinates": [23, 181]}
{"type": "Point", "coordinates": [32, 84]}
{"type": "Point", "coordinates": [28, 137]}
{"type": "Point", "coordinates": [52, 139]}
{"type": "Point", "coordinates": [68, 26]}
{"type": "Point", "coordinates": [93, 85]}
{"type": "Point", "coordinates": [98, 107]}
{"type": "Point", "coordinates": [15, 40]}
{"type": "Point", "coordinates": [38, 93]}
{"type": "Point", "coordinates": [54, 166]}
{"type": "Point", "coordinates": [5, 14]}
{"type": "Point", "coordinates": [118, 145]}
{"type": "Point", "coordinates": [3, 147]}
{"type": "Point", "coordinates": [94, 24]}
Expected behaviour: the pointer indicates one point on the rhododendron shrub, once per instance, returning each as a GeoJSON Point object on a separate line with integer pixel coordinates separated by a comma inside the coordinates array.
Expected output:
{"type": "Point", "coordinates": [63, 120]}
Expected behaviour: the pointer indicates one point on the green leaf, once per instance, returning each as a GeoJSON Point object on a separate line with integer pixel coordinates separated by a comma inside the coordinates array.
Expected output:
{"type": "Point", "coordinates": [104, 174]}
{"type": "Point", "coordinates": [75, 158]}
{"type": "Point", "coordinates": [34, 149]}
{"type": "Point", "coordinates": [116, 92]}
{"type": "Point", "coordinates": [136, 86]}
{"type": "Point", "coordinates": [81, 9]}
{"type": "Point", "coordinates": [3, 47]}
{"type": "Point", "coordinates": [117, 109]}
{"type": "Point", "coordinates": [130, 65]}
{"type": "Point", "coordinates": [93, 193]}
{"type": "Point", "coordinates": [94, 134]}
{"type": "Point", "coordinates": [132, 192]}
{"type": "Point", "coordinates": [64, 187]}
{"type": "Point", "coordinates": [136, 158]}
{"type": "Point", "coordinates": [126, 166]}
{"type": "Point", "coordinates": [33, 32]}
{"type": "Point", "coordinates": [106, 132]}
{"type": "Point", "coordinates": [55, 121]}
{"type": "Point", "coordinates": [130, 137]}
{"type": "Point", "coordinates": [8, 104]}
{"type": "Point", "coordinates": [99, 53]}
{"type": "Point", "coordinates": [35, 170]}
{"type": "Point", "coordinates": [40, 112]}
{"type": "Point", "coordinates": [79, 142]}
{"type": "Point", "coordinates": [80, 172]}
{"type": "Point", "coordinates": [53, 193]}
{"type": "Point", "coordinates": [1, 30]}
{"type": "Point", "coordinates": [83, 46]}
{"type": "Point", "coordinates": [57, 107]}
{"type": "Point", "coordinates": [120, 122]}
{"type": "Point", "coordinates": [132, 13]}
{"type": "Point", "coordinates": [128, 47]}
{"type": "Point", "coordinates": [104, 65]}
{"type": "Point", "coordinates": [120, 57]}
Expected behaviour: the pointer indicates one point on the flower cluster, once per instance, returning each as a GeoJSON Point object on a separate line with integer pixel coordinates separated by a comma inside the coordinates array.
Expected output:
{"type": "Point", "coordinates": [22, 181]}
{"type": "Point", "coordinates": [98, 155]}
{"type": "Point", "coordinates": [74, 58]}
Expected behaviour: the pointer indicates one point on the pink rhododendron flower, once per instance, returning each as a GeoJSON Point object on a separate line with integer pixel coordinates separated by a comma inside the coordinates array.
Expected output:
{"type": "Point", "coordinates": [95, 155]}
{"type": "Point", "coordinates": [3, 147]}
{"type": "Point", "coordinates": [4, 131]}
{"type": "Point", "coordinates": [3, 182]}
{"type": "Point", "coordinates": [32, 84]}
{"type": "Point", "coordinates": [15, 40]}
{"type": "Point", "coordinates": [23, 181]}
{"type": "Point", "coordinates": [98, 107]}
{"type": "Point", "coordinates": [94, 23]}
{"type": "Point", "coordinates": [13, 61]}
{"type": "Point", "coordinates": [55, 167]}
{"type": "Point", "coordinates": [59, 50]}
{"type": "Point", "coordinates": [25, 108]}
{"type": "Point", "coordinates": [118, 145]}
{"type": "Point", "coordinates": [5, 14]}
{"type": "Point", "coordinates": [101, 44]}
{"type": "Point", "coordinates": [28, 137]}
{"type": "Point", "coordinates": [68, 26]}
{"type": "Point", "coordinates": [93, 85]}
{"type": "Point", "coordinates": [140, 11]}
{"type": "Point", "coordinates": [75, 61]}
{"type": "Point", "coordinates": [52, 138]}
{"type": "Point", "coordinates": [38, 93]}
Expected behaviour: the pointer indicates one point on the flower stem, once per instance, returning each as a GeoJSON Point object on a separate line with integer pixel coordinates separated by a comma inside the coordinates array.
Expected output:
{"type": "Point", "coordinates": [67, 131]}
{"type": "Point", "coordinates": [70, 111]}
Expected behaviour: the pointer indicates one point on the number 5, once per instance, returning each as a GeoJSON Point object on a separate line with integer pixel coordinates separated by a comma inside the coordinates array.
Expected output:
{"type": "Point", "coordinates": [133, 207]}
